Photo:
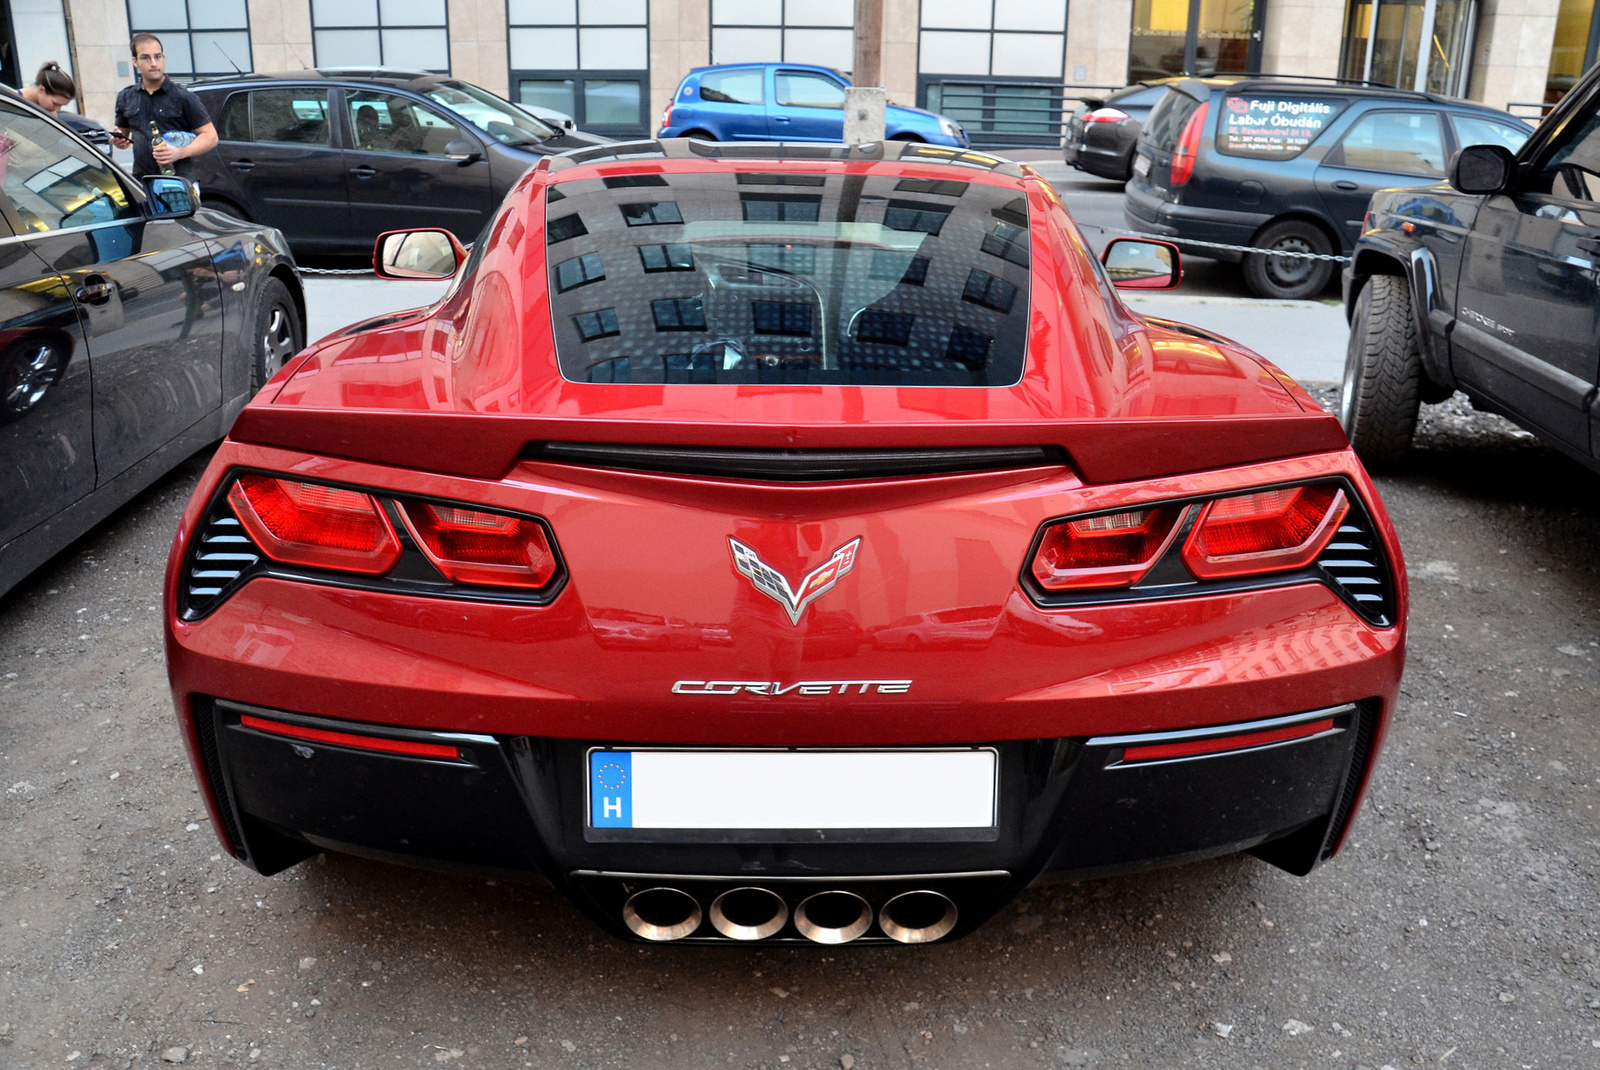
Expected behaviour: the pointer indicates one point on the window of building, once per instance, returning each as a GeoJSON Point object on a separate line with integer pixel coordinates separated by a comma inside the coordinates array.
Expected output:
{"type": "Point", "coordinates": [413, 34]}
{"type": "Point", "coordinates": [589, 59]}
{"type": "Point", "coordinates": [995, 67]}
{"type": "Point", "coordinates": [1573, 50]}
{"type": "Point", "coordinates": [199, 37]}
{"type": "Point", "coordinates": [1222, 36]}
{"type": "Point", "coordinates": [820, 32]}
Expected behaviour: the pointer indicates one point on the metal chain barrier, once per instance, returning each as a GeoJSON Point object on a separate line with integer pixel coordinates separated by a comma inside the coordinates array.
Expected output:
{"type": "Point", "coordinates": [1216, 245]}
{"type": "Point", "coordinates": [335, 271]}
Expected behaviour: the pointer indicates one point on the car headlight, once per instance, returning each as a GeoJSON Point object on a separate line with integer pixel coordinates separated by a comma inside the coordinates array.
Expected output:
{"type": "Point", "coordinates": [951, 128]}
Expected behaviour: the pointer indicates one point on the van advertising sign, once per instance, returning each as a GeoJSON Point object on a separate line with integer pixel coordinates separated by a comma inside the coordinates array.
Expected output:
{"type": "Point", "coordinates": [1272, 128]}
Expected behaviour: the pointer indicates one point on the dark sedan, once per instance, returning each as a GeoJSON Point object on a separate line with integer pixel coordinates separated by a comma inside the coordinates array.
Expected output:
{"type": "Point", "coordinates": [335, 157]}
{"type": "Point", "coordinates": [133, 328]}
{"type": "Point", "coordinates": [1103, 131]}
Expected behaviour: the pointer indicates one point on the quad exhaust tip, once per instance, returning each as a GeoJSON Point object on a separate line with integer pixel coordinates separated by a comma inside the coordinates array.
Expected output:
{"type": "Point", "coordinates": [748, 913]}
{"type": "Point", "coordinates": [661, 914]}
{"type": "Point", "coordinates": [833, 917]}
{"type": "Point", "coordinates": [917, 917]}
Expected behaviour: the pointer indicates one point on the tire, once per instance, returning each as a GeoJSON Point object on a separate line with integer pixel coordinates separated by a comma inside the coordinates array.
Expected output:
{"type": "Point", "coordinates": [1285, 278]}
{"type": "Point", "coordinates": [277, 334]}
{"type": "Point", "coordinates": [906, 137]}
{"type": "Point", "coordinates": [1382, 374]}
{"type": "Point", "coordinates": [703, 135]}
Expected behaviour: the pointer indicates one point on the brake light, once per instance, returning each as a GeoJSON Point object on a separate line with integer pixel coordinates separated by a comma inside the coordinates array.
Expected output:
{"type": "Point", "coordinates": [313, 525]}
{"type": "Point", "coordinates": [666, 116]}
{"type": "Point", "coordinates": [1106, 115]}
{"type": "Point", "coordinates": [1219, 744]}
{"type": "Point", "coordinates": [1103, 551]}
{"type": "Point", "coordinates": [1269, 531]}
{"type": "Point", "coordinates": [1188, 146]}
{"type": "Point", "coordinates": [350, 739]}
{"type": "Point", "coordinates": [472, 546]}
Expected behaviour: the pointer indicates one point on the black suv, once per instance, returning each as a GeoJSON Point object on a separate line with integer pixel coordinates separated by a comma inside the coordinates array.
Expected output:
{"type": "Point", "coordinates": [335, 157]}
{"type": "Point", "coordinates": [1489, 285]}
{"type": "Point", "coordinates": [1289, 165]}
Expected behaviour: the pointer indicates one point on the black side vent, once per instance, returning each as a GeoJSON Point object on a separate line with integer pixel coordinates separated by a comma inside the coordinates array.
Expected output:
{"type": "Point", "coordinates": [1366, 719]}
{"type": "Point", "coordinates": [205, 726]}
{"type": "Point", "coordinates": [221, 558]}
{"type": "Point", "coordinates": [1354, 565]}
{"type": "Point", "coordinates": [795, 465]}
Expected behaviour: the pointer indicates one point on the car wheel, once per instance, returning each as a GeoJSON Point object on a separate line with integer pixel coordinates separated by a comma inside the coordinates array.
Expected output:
{"type": "Point", "coordinates": [1284, 277]}
{"type": "Point", "coordinates": [27, 372]}
{"type": "Point", "coordinates": [1382, 374]}
{"type": "Point", "coordinates": [277, 335]}
{"type": "Point", "coordinates": [703, 135]}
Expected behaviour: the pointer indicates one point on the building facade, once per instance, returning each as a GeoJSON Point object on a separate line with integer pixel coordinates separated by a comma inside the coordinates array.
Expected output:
{"type": "Point", "coordinates": [1004, 68]}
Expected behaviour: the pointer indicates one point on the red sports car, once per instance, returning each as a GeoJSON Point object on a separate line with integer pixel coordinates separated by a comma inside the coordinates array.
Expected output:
{"type": "Point", "coordinates": [785, 543]}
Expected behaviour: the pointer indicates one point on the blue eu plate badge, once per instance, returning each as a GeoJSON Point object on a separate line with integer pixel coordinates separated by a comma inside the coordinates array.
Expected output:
{"type": "Point", "coordinates": [610, 789]}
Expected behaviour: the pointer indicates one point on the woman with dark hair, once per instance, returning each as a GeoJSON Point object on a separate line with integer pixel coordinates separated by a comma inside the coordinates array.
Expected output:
{"type": "Point", "coordinates": [52, 89]}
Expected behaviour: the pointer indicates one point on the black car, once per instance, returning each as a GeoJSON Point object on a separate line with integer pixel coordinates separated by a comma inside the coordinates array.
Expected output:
{"type": "Point", "coordinates": [335, 157]}
{"type": "Point", "coordinates": [133, 328]}
{"type": "Point", "coordinates": [1103, 131]}
{"type": "Point", "coordinates": [1289, 165]}
{"type": "Point", "coordinates": [1489, 285]}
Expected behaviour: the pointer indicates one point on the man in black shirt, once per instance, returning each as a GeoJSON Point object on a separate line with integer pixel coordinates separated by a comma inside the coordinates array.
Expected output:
{"type": "Point", "coordinates": [170, 106]}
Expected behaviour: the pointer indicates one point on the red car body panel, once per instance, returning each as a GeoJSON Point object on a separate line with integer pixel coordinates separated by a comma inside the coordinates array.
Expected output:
{"type": "Point", "coordinates": [656, 638]}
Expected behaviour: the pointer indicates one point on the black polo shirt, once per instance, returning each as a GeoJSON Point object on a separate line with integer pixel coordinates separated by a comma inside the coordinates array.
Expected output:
{"type": "Point", "coordinates": [171, 106]}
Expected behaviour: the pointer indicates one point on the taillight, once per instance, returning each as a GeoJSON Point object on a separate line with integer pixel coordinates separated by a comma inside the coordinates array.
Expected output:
{"type": "Point", "coordinates": [472, 546]}
{"type": "Point", "coordinates": [1114, 550]}
{"type": "Point", "coordinates": [316, 526]}
{"type": "Point", "coordinates": [666, 116]}
{"type": "Point", "coordinates": [1188, 146]}
{"type": "Point", "coordinates": [1270, 531]}
{"type": "Point", "coordinates": [1106, 115]}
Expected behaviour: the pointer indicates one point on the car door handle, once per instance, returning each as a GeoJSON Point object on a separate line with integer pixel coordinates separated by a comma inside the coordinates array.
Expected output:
{"type": "Point", "coordinates": [242, 166]}
{"type": "Point", "coordinates": [96, 290]}
{"type": "Point", "coordinates": [363, 171]}
{"type": "Point", "coordinates": [780, 118]}
{"type": "Point", "coordinates": [1347, 185]}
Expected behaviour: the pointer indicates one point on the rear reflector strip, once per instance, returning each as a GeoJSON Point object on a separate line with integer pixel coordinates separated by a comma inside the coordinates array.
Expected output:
{"type": "Point", "coordinates": [1218, 744]}
{"type": "Point", "coordinates": [347, 739]}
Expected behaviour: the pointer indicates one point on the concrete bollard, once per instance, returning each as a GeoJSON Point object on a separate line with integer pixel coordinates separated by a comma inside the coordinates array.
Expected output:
{"type": "Point", "coordinates": [864, 114]}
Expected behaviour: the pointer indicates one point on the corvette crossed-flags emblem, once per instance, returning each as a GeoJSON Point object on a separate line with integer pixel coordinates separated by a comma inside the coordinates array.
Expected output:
{"type": "Point", "coordinates": [775, 585]}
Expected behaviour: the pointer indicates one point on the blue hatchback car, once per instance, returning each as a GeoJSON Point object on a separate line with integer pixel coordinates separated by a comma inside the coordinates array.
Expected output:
{"type": "Point", "coordinates": [784, 102]}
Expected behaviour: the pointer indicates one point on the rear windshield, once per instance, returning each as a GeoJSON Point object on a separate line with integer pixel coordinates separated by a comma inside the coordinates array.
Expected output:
{"type": "Point", "coordinates": [1167, 119]}
{"type": "Point", "coordinates": [1273, 127]}
{"type": "Point", "coordinates": [788, 278]}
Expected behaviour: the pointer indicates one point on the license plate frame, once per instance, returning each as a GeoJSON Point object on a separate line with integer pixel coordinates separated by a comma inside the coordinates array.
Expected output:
{"type": "Point", "coordinates": [963, 782]}
{"type": "Point", "coordinates": [1141, 165]}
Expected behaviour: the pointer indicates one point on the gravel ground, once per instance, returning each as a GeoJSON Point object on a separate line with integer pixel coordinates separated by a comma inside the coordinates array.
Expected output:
{"type": "Point", "coordinates": [1458, 929]}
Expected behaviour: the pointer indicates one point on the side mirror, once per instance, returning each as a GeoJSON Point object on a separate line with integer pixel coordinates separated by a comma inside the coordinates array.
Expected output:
{"type": "Point", "coordinates": [170, 197]}
{"type": "Point", "coordinates": [463, 151]}
{"type": "Point", "coordinates": [1142, 264]}
{"type": "Point", "coordinates": [417, 254]}
{"type": "Point", "coordinates": [1483, 169]}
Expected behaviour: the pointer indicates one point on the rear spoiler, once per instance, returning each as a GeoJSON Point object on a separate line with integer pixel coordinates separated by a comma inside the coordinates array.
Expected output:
{"type": "Point", "coordinates": [487, 446]}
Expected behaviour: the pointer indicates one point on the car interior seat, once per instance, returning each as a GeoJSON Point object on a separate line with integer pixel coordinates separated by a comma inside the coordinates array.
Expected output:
{"type": "Point", "coordinates": [366, 126]}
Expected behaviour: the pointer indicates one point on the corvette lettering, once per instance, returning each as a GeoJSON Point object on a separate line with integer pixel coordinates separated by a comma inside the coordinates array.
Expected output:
{"type": "Point", "coordinates": [775, 585]}
{"type": "Point", "coordinates": [774, 689]}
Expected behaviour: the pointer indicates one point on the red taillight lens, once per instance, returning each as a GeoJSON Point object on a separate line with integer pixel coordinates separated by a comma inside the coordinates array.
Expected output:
{"type": "Point", "coordinates": [1106, 115]}
{"type": "Point", "coordinates": [1103, 551]}
{"type": "Point", "coordinates": [1270, 531]}
{"type": "Point", "coordinates": [666, 116]}
{"type": "Point", "coordinates": [1188, 146]}
{"type": "Point", "coordinates": [310, 524]}
{"type": "Point", "coordinates": [348, 739]}
{"type": "Point", "coordinates": [471, 546]}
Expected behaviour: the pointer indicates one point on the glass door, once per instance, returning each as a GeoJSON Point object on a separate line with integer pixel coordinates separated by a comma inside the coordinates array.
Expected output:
{"type": "Point", "coordinates": [1573, 51]}
{"type": "Point", "coordinates": [1410, 44]}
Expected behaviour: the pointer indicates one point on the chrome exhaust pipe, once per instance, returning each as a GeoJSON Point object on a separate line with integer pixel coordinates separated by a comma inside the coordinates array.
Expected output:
{"type": "Point", "coordinates": [748, 913]}
{"type": "Point", "coordinates": [833, 917]}
{"type": "Point", "coordinates": [917, 917]}
{"type": "Point", "coordinates": [661, 914]}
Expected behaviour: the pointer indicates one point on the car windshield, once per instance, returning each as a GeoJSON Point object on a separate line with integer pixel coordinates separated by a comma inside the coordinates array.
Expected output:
{"type": "Point", "coordinates": [498, 118]}
{"type": "Point", "coordinates": [788, 278]}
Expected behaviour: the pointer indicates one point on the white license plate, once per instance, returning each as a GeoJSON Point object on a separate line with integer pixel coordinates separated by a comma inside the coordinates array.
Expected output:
{"type": "Point", "coordinates": [781, 789]}
{"type": "Point", "coordinates": [1141, 165]}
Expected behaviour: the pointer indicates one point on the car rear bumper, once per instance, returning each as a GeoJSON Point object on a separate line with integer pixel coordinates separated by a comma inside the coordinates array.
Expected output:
{"type": "Point", "coordinates": [1146, 211]}
{"type": "Point", "coordinates": [515, 805]}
